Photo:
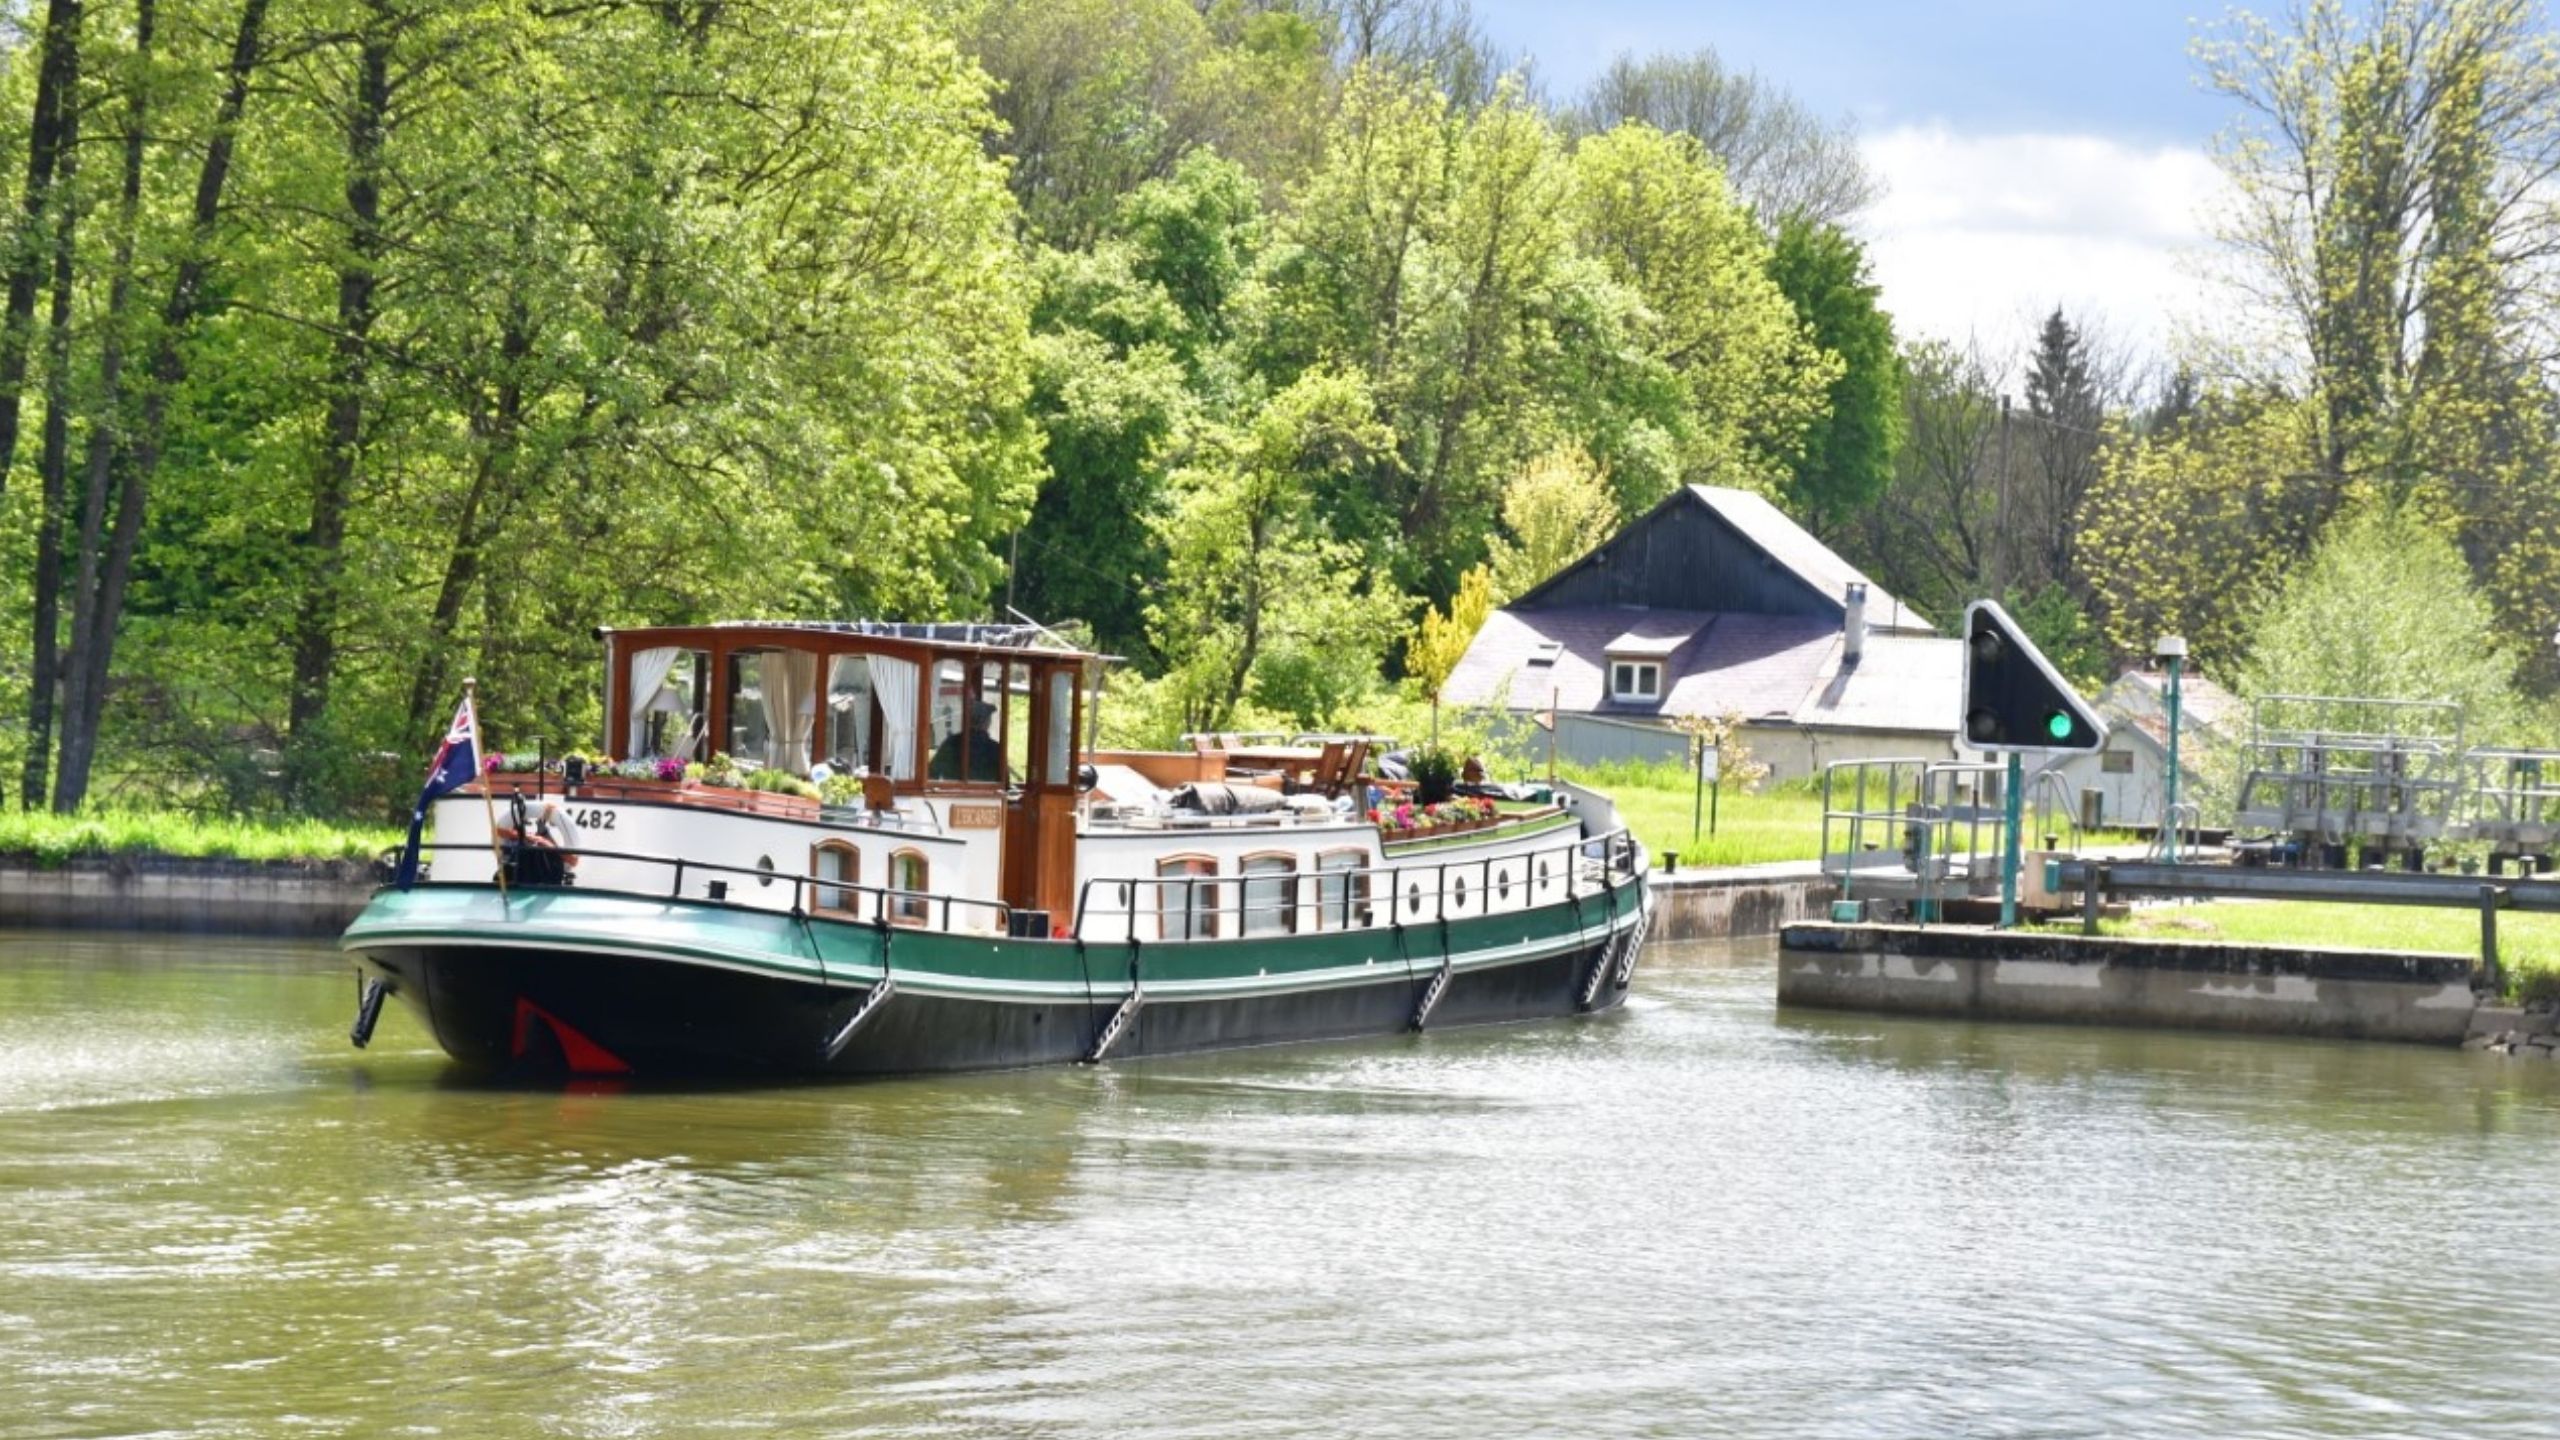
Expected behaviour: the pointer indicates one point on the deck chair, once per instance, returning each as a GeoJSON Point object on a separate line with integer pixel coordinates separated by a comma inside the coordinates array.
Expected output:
{"type": "Point", "coordinates": [1326, 777]}
{"type": "Point", "coordinates": [880, 797]}
{"type": "Point", "coordinates": [1351, 777]}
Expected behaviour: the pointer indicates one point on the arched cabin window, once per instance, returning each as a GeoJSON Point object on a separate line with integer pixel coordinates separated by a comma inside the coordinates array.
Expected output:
{"type": "Point", "coordinates": [1270, 905]}
{"type": "Point", "coordinates": [1187, 911]}
{"type": "Point", "coordinates": [836, 866]}
{"type": "Point", "coordinates": [1342, 890]}
{"type": "Point", "coordinates": [910, 879]}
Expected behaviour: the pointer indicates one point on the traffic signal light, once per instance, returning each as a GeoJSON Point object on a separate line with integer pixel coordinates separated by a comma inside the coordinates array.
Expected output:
{"type": "Point", "coordinates": [2013, 699]}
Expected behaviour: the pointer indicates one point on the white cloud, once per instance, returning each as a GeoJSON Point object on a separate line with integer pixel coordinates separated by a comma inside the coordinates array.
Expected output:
{"type": "Point", "coordinates": [1983, 234]}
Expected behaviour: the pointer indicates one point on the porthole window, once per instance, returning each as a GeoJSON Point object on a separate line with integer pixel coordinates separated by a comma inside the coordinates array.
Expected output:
{"type": "Point", "coordinates": [1413, 898]}
{"type": "Point", "coordinates": [764, 863]}
{"type": "Point", "coordinates": [1502, 884]}
{"type": "Point", "coordinates": [1462, 890]}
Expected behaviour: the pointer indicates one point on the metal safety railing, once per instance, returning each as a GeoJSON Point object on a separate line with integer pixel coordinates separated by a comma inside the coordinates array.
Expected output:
{"type": "Point", "coordinates": [2328, 770]}
{"type": "Point", "coordinates": [1924, 830]}
{"type": "Point", "coordinates": [808, 893]}
{"type": "Point", "coordinates": [1196, 907]}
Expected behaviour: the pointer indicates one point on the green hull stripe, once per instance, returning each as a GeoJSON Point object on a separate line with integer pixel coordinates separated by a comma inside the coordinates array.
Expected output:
{"type": "Point", "coordinates": [930, 962]}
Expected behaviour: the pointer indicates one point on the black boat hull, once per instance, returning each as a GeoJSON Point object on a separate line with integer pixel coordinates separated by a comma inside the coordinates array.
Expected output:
{"type": "Point", "coordinates": [536, 1011]}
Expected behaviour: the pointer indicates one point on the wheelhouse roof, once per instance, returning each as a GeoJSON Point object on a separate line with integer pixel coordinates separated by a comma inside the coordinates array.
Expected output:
{"type": "Point", "coordinates": [946, 637]}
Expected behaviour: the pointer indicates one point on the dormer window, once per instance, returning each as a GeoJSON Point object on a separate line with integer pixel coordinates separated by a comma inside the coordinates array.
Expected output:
{"type": "Point", "coordinates": [1635, 680]}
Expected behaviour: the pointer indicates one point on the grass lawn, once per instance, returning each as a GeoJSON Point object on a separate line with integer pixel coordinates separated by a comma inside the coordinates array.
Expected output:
{"type": "Point", "coordinates": [1780, 822]}
{"type": "Point", "coordinates": [53, 839]}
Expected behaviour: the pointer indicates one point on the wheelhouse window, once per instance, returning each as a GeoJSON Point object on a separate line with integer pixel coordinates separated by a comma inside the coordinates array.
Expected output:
{"type": "Point", "coordinates": [849, 719]}
{"type": "Point", "coordinates": [1270, 895]}
{"type": "Point", "coordinates": [1635, 680]}
{"type": "Point", "coordinates": [968, 724]}
{"type": "Point", "coordinates": [837, 867]}
{"type": "Point", "coordinates": [1342, 891]}
{"type": "Point", "coordinates": [665, 687]}
{"type": "Point", "coordinates": [910, 877]}
{"type": "Point", "coordinates": [1059, 744]}
{"type": "Point", "coordinates": [773, 699]}
{"type": "Point", "coordinates": [1187, 911]}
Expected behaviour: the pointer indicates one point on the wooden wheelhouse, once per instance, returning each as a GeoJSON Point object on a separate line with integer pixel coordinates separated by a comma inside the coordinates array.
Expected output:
{"type": "Point", "coordinates": [986, 719]}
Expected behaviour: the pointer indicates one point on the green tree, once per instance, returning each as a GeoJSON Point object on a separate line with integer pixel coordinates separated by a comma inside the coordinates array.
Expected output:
{"type": "Point", "coordinates": [1849, 446]}
{"type": "Point", "coordinates": [1095, 98]}
{"type": "Point", "coordinates": [2067, 402]}
{"type": "Point", "coordinates": [2388, 166]}
{"type": "Point", "coordinates": [2191, 534]}
{"type": "Point", "coordinates": [1556, 510]}
{"type": "Point", "coordinates": [1256, 595]}
{"type": "Point", "coordinates": [1437, 644]}
{"type": "Point", "coordinates": [1654, 211]}
{"type": "Point", "coordinates": [2385, 607]}
{"type": "Point", "coordinates": [1784, 160]}
{"type": "Point", "coordinates": [1129, 352]}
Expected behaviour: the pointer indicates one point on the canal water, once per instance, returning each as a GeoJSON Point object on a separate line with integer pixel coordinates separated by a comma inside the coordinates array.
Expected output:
{"type": "Point", "coordinates": [1696, 1217]}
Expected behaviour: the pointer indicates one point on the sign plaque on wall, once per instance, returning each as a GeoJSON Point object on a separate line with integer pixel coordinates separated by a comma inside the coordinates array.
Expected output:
{"type": "Point", "coordinates": [977, 817]}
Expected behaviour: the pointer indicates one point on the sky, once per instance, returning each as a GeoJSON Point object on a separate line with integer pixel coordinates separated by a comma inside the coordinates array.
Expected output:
{"type": "Point", "coordinates": [2034, 153]}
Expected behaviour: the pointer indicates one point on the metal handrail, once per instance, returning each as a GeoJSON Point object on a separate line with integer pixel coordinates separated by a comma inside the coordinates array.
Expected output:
{"type": "Point", "coordinates": [884, 898]}
{"type": "Point", "coordinates": [1618, 859]}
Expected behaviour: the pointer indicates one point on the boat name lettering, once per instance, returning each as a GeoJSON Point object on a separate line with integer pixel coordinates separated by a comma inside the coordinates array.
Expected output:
{"type": "Point", "coordinates": [977, 817]}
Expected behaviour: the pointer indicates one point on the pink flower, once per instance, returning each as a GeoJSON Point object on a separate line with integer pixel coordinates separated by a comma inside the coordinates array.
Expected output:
{"type": "Point", "coordinates": [489, 763]}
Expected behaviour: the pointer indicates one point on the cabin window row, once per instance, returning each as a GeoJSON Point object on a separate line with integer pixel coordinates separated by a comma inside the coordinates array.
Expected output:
{"type": "Point", "coordinates": [1266, 895]}
{"type": "Point", "coordinates": [835, 869]}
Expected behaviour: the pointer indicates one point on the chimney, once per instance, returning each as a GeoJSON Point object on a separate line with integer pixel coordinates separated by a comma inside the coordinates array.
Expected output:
{"type": "Point", "coordinates": [1853, 626]}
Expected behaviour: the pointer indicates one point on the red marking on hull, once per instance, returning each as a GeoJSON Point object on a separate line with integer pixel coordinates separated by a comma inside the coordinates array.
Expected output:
{"type": "Point", "coordinates": [584, 1056]}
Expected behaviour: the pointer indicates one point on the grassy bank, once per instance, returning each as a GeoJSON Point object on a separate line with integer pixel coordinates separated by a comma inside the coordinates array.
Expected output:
{"type": "Point", "coordinates": [1779, 822]}
{"type": "Point", "coordinates": [2528, 944]}
{"type": "Point", "coordinates": [52, 839]}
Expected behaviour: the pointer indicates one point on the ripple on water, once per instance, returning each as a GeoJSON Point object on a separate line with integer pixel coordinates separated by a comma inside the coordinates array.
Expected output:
{"type": "Point", "coordinates": [1696, 1217]}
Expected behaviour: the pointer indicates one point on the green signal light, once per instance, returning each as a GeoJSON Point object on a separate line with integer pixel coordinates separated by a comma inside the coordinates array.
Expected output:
{"type": "Point", "coordinates": [2058, 725]}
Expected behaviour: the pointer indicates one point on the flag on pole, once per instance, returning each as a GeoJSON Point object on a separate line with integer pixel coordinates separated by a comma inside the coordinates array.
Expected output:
{"type": "Point", "coordinates": [457, 764]}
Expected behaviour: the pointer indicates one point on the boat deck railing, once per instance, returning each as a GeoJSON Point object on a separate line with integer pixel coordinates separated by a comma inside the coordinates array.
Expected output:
{"type": "Point", "coordinates": [1162, 909]}
{"type": "Point", "coordinates": [831, 899]}
{"type": "Point", "coordinates": [1176, 909]}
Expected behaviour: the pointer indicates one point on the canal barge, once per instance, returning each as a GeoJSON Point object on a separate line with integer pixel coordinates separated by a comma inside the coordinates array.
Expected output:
{"type": "Point", "coordinates": [976, 886]}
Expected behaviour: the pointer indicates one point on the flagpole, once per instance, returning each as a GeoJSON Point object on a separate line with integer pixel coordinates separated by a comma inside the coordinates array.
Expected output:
{"type": "Point", "coordinates": [480, 761]}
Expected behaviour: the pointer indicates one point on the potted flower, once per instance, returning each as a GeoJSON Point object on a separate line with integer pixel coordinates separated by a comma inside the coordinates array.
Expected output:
{"type": "Point", "coordinates": [1435, 775]}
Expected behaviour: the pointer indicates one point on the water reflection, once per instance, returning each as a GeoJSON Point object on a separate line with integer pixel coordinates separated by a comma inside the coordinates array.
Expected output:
{"type": "Point", "coordinates": [1701, 1216]}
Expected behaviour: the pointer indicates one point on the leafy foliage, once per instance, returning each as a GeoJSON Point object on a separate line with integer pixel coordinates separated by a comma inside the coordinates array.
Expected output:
{"type": "Point", "coordinates": [2385, 607]}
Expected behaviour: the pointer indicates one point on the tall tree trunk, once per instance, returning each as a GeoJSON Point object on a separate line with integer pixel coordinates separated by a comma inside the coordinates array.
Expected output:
{"type": "Point", "coordinates": [52, 469]}
{"type": "Point", "coordinates": [48, 139]}
{"type": "Point", "coordinates": [106, 424]}
{"type": "Point", "coordinates": [315, 623]}
{"type": "Point", "coordinates": [487, 500]}
{"type": "Point", "coordinates": [141, 456]}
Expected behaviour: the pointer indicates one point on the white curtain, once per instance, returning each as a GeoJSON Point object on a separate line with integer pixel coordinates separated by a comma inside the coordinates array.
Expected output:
{"type": "Point", "coordinates": [790, 700]}
{"type": "Point", "coordinates": [895, 680]}
{"type": "Point", "coordinates": [848, 709]}
{"type": "Point", "coordinates": [648, 671]}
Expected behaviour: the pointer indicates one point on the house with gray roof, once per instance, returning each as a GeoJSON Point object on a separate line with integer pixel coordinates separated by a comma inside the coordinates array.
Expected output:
{"type": "Point", "coordinates": [1715, 602]}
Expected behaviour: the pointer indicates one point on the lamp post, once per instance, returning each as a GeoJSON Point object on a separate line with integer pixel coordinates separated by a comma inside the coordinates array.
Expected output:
{"type": "Point", "coordinates": [2172, 650]}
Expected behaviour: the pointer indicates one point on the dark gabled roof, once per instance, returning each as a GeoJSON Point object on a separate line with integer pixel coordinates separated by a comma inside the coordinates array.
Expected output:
{"type": "Point", "coordinates": [1781, 668]}
{"type": "Point", "coordinates": [1789, 571]}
